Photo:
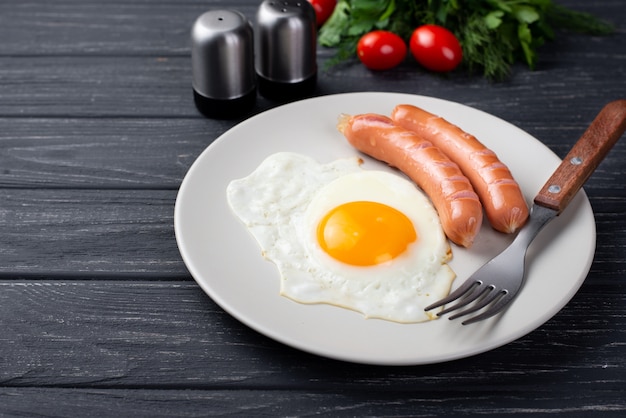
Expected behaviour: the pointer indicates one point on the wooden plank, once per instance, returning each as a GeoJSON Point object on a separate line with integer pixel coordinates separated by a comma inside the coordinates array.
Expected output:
{"type": "Point", "coordinates": [116, 334]}
{"type": "Point", "coordinates": [157, 152]}
{"type": "Point", "coordinates": [26, 213]}
{"type": "Point", "coordinates": [85, 238]}
{"type": "Point", "coordinates": [100, 86]}
{"type": "Point", "coordinates": [151, 87]}
{"type": "Point", "coordinates": [59, 231]}
{"type": "Point", "coordinates": [129, 232]}
{"type": "Point", "coordinates": [154, 27]}
{"type": "Point", "coordinates": [104, 28]}
{"type": "Point", "coordinates": [427, 402]}
{"type": "Point", "coordinates": [102, 153]}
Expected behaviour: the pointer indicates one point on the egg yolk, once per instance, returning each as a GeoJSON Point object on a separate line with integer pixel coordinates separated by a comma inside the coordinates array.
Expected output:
{"type": "Point", "coordinates": [365, 233]}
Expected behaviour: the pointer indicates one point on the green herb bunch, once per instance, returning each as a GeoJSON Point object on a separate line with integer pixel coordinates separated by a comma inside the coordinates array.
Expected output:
{"type": "Point", "coordinates": [494, 34]}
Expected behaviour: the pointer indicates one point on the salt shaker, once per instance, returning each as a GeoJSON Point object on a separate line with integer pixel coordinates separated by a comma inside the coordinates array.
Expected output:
{"type": "Point", "coordinates": [222, 59]}
{"type": "Point", "coordinates": [285, 48]}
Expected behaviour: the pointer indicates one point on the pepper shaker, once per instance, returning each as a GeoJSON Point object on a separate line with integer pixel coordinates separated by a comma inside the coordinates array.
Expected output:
{"type": "Point", "coordinates": [285, 48]}
{"type": "Point", "coordinates": [222, 58]}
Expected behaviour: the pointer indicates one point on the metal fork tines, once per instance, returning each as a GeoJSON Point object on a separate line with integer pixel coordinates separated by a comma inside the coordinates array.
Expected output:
{"type": "Point", "coordinates": [496, 283]}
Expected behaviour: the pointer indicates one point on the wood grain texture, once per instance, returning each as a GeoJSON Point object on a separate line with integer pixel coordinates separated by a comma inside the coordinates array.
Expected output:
{"type": "Point", "coordinates": [92, 27]}
{"type": "Point", "coordinates": [103, 334]}
{"type": "Point", "coordinates": [115, 153]}
{"type": "Point", "coordinates": [249, 402]}
{"type": "Point", "coordinates": [98, 314]}
{"type": "Point", "coordinates": [130, 232]}
{"type": "Point", "coordinates": [153, 86]}
{"type": "Point", "coordinates": [139, 349]}
{"type": "Point", "coordinates": [52, 232]}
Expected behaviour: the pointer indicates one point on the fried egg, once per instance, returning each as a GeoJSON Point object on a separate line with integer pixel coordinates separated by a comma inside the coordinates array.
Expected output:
{"type": "Point", "coordinates": [365, 240]}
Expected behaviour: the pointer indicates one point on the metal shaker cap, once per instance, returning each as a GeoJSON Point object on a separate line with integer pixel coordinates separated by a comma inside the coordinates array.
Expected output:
{"type": "Point", "coordinates": [222, 60]}
{"type": "Point", "coordinates": [285, 46]}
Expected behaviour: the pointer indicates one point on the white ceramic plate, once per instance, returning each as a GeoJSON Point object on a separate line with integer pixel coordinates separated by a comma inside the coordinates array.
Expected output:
{"type": "Point", "coordinates": [225, 261]}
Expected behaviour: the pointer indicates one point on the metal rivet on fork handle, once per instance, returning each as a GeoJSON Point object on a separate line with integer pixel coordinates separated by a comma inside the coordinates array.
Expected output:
{"type": "Point", "coordinates": [555, 188]}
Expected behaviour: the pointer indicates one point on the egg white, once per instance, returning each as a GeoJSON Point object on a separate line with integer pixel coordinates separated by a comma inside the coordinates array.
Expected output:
{"type": "Point", "coordinates": [282, 202]}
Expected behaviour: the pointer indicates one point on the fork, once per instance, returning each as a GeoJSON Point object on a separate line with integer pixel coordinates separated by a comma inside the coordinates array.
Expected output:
{"type": "Point", "coordinates": [493, 286]}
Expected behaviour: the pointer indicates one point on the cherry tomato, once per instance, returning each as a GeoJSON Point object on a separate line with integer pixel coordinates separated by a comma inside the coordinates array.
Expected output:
{"type": "Point", "coordinates": [436, 48]}
{"type": "Point", "coordinates": [323, 9]}
{"type": "Point", "coordinates": [381, 50]}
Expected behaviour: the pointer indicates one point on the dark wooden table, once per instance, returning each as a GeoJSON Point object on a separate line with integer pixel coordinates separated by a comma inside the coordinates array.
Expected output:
{"type": "Point", "coordinates": [100, 317]}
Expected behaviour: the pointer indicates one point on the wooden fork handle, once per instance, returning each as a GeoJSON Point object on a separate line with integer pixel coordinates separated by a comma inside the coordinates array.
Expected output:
{"type": "Point", "coordinates": [584, 157]}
